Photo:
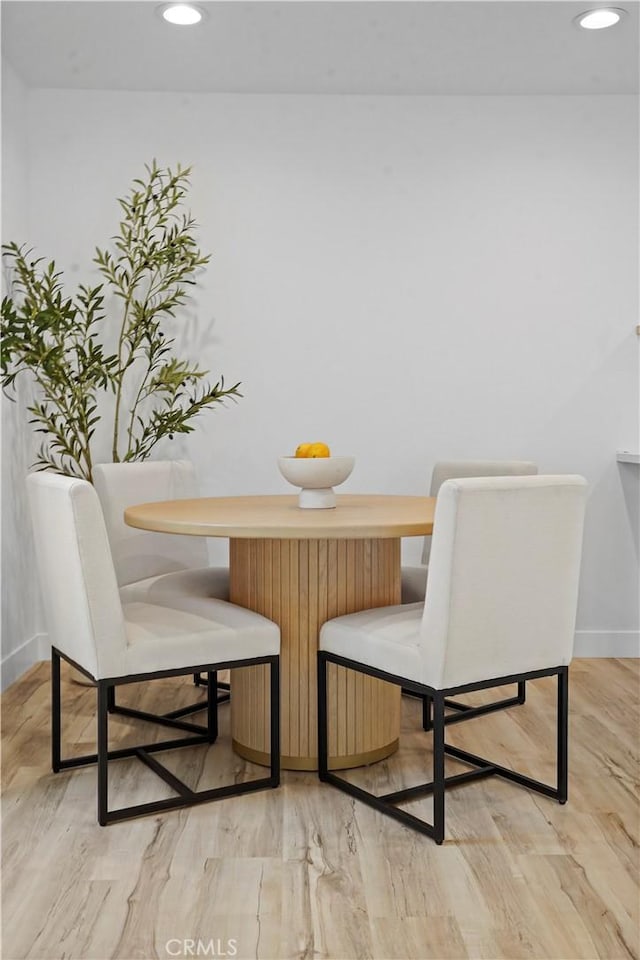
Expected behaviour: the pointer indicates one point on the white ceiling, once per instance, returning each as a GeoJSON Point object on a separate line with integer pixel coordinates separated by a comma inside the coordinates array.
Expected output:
{"type": "Point", "coordinates": [304, 46]}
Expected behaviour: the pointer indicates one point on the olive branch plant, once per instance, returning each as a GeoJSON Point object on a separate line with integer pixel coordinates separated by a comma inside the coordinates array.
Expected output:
{"type": "Point", "coordinates": [60, 338]}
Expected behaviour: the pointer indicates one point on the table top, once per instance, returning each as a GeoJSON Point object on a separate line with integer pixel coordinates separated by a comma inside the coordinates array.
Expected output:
{"type": "Point", "coordinates": [356, 516]}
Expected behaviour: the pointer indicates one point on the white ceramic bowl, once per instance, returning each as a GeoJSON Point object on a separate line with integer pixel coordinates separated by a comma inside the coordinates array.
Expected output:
{"type": "Point", "coordinates": [317, 476]}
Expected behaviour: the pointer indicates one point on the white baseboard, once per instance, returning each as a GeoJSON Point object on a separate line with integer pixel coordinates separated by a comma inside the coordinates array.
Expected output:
{"type": "Point", "coordinates": [607, 643]}
{"type": "Point", "coordinates": [18, 661]}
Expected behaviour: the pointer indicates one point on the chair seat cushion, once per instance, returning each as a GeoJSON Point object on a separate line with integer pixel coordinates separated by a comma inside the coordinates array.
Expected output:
{"type": "Point", "coordinates": [386, 638]}
{"type": "Point", "coordinates": [162, 637]}
{"type": "Point", "coordinates": [414, 584]}
{"type": "Point", "coordinates": [197, 583]}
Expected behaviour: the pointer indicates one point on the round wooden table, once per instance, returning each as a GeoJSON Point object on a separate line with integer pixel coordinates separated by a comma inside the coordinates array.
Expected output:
{"type": "Point", "coordinates": [300, 568]}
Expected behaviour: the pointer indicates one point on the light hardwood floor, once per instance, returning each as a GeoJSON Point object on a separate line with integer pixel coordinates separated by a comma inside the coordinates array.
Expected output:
{"type": "Point", "coordinates": [304, 871]}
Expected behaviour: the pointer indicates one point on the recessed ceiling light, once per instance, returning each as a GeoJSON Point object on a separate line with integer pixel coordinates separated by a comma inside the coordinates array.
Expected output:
{"type": "Point", "coordinates": [600, 18]}
{"type": "Point", "coordinates": [183, 14]}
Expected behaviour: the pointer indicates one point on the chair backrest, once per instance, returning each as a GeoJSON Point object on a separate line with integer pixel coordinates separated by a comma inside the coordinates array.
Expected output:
{"type": "Point", "coordinates": [455, 469]}
{"type": "Point", "coordinates": [78, 582]}
{"type": "Point", "coordinates": [138, 554]}
{"type": "Point", "coordinates": [502, 589]}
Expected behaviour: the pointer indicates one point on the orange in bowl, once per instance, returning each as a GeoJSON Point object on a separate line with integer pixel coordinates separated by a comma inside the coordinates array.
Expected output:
{"type": "Point", "coordinates": [312, 451]}
{"type": "Point", "coordinates": [319, 450]}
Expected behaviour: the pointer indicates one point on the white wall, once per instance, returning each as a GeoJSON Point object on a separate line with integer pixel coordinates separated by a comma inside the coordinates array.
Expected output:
{"type": "Point", "coordinates": [21, 617]}
{"type": "Point", "coordinates": [409, 279]}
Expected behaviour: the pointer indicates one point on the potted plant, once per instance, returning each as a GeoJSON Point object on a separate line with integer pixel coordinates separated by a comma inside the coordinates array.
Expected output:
{"type": "Point", "coordinates": [60, 338]}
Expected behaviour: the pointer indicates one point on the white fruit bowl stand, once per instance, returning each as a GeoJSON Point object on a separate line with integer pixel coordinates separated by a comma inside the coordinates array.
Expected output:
{"type": "Point", "coordinates": [316, 476]}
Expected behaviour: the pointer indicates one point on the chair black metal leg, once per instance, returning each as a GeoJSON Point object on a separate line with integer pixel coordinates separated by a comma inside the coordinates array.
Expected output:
{"type": "Point", "coordinates": [323, 760]}
{"type": "Point", "coordinates": [274, 677]}
{"type": "Point", "coordinates": [223, 692]}
{"type": "Point", "coordinates": [481, 768]}
{"type": "Point", "coordinates": [438, 768]}
{"type": "Point", "coordinates": [427, 723]}
{"type": "Point", "coordinates": [563, 734]}
{"type": "Point", "coordinates": [382, 804]}
{"type": "Point", "coordinates": [56, 731]}
{"type": "Point", "coordinates": [103, 749]}
{"type": "Point", "coordinates": [212, 706]}
{"type": "Point", "coordinates": [522, 691]}
{"type": "Point", "coordinates": [144, 752]}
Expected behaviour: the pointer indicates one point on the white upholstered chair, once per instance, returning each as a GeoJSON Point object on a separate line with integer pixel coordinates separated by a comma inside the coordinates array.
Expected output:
{"type": "Point", "coordinates": [115, 641]}
{"type": "Point", "coordinates": [156, 567]}
{"type": "Point", "coordinates": [150, 565]}
{"type": "Point", "coordinates": [500, 607]}
{"type": "Point", "coordinates": [414, 579]}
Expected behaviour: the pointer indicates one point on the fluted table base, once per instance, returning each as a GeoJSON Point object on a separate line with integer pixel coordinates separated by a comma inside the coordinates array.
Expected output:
{"type": "Point", "coordinates": [300, 584]}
